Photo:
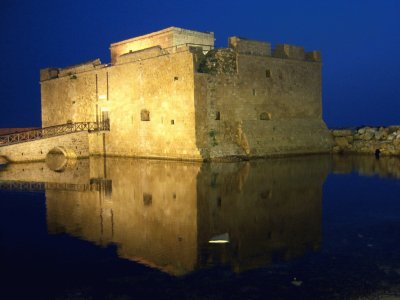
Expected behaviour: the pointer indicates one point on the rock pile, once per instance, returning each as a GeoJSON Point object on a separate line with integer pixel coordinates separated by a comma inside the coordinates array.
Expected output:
{"type": "Point", "coordinates": [367, 140]}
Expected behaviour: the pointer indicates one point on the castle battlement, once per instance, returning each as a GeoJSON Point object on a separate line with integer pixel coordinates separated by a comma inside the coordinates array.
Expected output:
{"type": "Point", "coordinates": [174, 39]}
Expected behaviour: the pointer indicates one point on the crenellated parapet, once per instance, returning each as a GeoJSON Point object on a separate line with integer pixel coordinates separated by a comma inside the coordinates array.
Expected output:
{"type": "Point", "coordinates": [286, 51]}
{"type": "Point", "coordinates": [52, 73]}
{"type": "Point", "coordinates": [250, 47]}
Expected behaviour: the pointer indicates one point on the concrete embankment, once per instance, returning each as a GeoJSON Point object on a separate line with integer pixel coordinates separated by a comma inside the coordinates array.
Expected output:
{"type": "Point", "coordinates": [367, 140]}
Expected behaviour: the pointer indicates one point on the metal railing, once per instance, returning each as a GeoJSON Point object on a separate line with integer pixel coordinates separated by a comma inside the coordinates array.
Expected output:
{"type": "Point", "coordinates": [28, 186]}
{"type": "Point", "coordinates": [47, 132]}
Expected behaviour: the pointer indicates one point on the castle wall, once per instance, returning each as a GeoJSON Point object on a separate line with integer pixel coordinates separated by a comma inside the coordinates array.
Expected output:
{"type": "Point", "coordinates": [161, 85]}
{"type": "Point", "coordinates": [71, 96]}
{"type": "Point", "coordinates": [151, 108]}
{"type": "Point", "coordinates": [267, 106]}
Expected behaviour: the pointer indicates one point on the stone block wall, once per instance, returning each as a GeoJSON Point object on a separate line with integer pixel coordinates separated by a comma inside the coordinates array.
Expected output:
{"type": "Point", "coordinates": [266, 106]}
{"type": "Point", "coordinates": [289, 51]}
{"type": "Point", "coordinates": [151, 108]}
{"type": "Point", "coordinates": [245, 46]}
{"type": "Point", "coordinates": [71, 98]}
{"type": "Point", "coordinates": [139, 55]}
{"type": "Point", "coordinates": [367, 140]}
{"type": "Point", "coordinates": [37, 150]}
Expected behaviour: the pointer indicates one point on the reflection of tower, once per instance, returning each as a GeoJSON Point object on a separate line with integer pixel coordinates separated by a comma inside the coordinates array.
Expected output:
{"type": "Point", "coordinates": [152, 215]}
{"type": "Point", "coordinates": [163, 214]}
{"type": "Point", "coordinates": [274, 215]}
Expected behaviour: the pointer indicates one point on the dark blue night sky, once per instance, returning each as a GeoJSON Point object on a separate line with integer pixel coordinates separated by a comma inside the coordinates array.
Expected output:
{"type": "Point", "coordinates": [359, 41]}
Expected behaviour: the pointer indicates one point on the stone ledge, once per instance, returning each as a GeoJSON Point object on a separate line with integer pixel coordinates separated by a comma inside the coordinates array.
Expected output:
{"type": "Point", "coordinates": [3, 161]}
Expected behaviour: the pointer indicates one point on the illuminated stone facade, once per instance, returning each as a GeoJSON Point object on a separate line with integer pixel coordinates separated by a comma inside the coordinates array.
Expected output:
{"type": "Point", "coordinates": [170, 94]}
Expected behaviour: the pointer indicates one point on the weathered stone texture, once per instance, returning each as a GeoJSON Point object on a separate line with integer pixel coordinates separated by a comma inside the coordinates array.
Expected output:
{"type": "Point", "coordinates": [250, 47]}
{"type": "Point", "coordinates": [37, 150]}
{"type": "Point", "coordinates": [289, 51]}
{"type": "Point", "coordinates": [139, 55]}
{"type": "Point", "coordinates": [3, 161]}
{"type": "Point", "coordinates": [219, 61]}
{"type": "Point", "coordinates": [166, 39]}
{"type": "Point", "coordinates": [368, 140]}
{"type": "Point", "coordinates": [270, 107]}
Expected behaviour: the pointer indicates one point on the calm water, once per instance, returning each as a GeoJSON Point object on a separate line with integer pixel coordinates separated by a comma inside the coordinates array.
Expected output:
{"type": "Point", "coordinates": [311, 227]}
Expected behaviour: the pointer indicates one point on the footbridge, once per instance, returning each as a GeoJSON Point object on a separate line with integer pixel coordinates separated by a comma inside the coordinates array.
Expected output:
{"type": "Point", "coordinates": [71, 139]}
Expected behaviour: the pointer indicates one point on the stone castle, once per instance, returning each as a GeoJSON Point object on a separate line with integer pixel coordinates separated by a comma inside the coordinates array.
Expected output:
{"type": "Point", "coordinates": [171, 94]}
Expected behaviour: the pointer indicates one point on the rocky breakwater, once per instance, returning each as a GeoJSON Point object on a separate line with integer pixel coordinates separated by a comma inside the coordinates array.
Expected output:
{"type": "Point", "coordinates": [367, 140]}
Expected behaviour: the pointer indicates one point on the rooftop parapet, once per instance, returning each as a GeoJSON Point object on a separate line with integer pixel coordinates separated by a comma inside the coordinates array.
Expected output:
{"type": "Point", "coordinates": [313, 56]}
{"type": "Point", "coordinates": [139, 55]}
{"type": "Point", "coordinates": [79, 68]}
{"type": "Point", "coordinates": [245, 46]}
{"type": "Point", "coordinates": [289, 51]}
{"type": "Point", "coordinates": [51, 73]}
{"type": "Point", "coordinates": [295, 52]}
{"type": "Point", "coordinates": [48, 73]}
{"type": "Point", "coordinates": [167, 38]}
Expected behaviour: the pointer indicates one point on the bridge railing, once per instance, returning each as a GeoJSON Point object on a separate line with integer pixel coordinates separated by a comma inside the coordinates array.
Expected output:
{"type": "Point", "coordinates": [30, 186]}
{"type": "Point", "coordinates": [47, 132]}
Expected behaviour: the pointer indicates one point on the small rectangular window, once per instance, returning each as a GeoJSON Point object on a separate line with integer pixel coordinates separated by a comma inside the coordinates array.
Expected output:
{"type": "Point", "coordinates": [254, 92]}
{"type": "Point", "coordinates": [217, 115]}
{"type": "Point", "coordinates": [265, 116]}
{"type": "Point", "coordinates": [268, 73]}
{"type": "Point", "coordinates": [147, 199]}
{"type": "Point", "coordinates": [144, 115]}
{"type": "Point", "coordinates": [172, 122]}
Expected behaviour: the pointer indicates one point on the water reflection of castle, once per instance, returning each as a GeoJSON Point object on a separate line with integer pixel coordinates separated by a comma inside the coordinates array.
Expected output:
{"type": "Point", "coordinates": [164, 214]}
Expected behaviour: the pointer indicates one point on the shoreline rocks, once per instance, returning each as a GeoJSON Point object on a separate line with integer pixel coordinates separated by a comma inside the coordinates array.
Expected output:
{"type": "Point", "coordinates": [367, 140]}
